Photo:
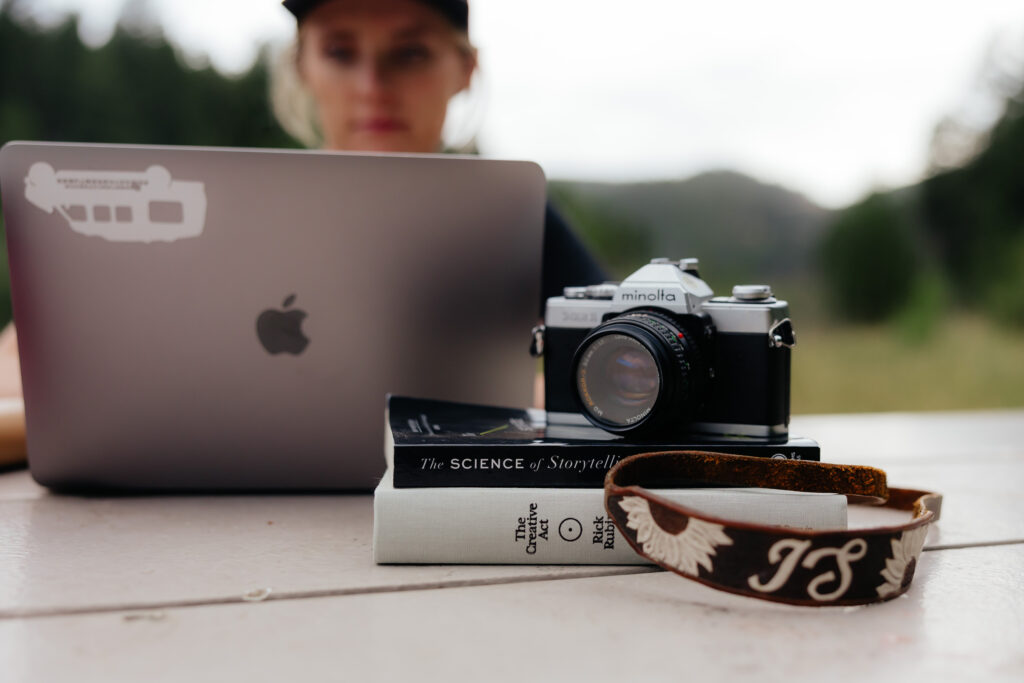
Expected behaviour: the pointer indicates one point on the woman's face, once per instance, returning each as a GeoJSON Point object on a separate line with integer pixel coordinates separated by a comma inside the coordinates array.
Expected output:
{"type": "Point", "coordinates": [381, 72]}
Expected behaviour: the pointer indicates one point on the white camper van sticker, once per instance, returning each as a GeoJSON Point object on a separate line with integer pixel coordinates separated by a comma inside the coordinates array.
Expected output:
{"type": "Point", "coordinates": [147, 206]}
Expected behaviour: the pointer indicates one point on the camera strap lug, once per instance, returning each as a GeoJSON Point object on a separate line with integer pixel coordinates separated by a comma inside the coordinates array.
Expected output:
{"type": "Point", "coordinates": [537, 345]}
{"type": "Point", "coordinates": [781, 335]}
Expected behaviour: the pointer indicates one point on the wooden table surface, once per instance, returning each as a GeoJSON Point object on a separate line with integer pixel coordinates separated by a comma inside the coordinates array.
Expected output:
{"type": "Point", "coordinates": [254, 588]}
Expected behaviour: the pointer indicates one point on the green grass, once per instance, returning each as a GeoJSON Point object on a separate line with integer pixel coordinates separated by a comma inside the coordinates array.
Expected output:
{"type": "Point", "coordinates": [965, 363]}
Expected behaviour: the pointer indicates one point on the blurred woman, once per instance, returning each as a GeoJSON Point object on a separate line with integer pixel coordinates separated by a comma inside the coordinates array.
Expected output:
{"type": "Point", "coordinates": [377, 76]}
{"type": "Point", "coordinates": [373, 75]}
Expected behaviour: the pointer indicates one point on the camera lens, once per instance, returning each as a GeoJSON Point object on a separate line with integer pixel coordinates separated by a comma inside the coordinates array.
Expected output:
{"type": "Point", "coordinates": [618, 379]}
{"type": "Point", "coordinates": [639, 374]}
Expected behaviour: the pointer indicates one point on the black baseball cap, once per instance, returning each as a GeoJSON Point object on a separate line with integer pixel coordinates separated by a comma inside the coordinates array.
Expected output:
{"type": "Point", "coordinates": [455, 11]}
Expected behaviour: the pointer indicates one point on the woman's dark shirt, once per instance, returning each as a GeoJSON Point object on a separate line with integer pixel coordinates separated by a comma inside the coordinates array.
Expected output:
{"type": "Point", "coordinates": [566, 262]}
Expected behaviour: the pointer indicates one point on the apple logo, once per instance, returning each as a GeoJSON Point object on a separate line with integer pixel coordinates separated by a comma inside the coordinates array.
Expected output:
{"type": "Point", "coordinates": [281, 331]}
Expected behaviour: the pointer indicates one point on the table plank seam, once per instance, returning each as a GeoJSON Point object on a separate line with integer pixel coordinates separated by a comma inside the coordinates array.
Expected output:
{"type": "Point", "coordinates": [342, 592]}
{"type": "Point", "coordinates": [309, 595]}
{"type": "Point", "coordinates": [15, 614]}
{"type": "Point", "coordinates": [973, 544]}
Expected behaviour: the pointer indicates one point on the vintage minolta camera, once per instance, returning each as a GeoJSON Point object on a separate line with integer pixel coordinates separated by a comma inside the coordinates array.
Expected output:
{"type": "Point", "coordinates": [657, 357]}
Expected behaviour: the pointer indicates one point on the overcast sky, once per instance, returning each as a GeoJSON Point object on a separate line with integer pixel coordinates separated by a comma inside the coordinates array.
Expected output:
{"type": "Point", "coordinates": [829, 98]}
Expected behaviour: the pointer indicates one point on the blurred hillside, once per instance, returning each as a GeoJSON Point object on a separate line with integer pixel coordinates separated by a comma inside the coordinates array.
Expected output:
{"type": "Point", "coordinates": [739, 228]}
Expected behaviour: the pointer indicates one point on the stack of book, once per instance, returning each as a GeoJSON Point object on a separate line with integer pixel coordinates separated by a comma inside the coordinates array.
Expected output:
{"type": "Point", "coordinates": [470, 484]}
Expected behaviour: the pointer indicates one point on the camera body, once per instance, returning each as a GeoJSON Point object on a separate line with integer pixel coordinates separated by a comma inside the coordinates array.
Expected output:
{"type": "Point", "coordinates": [660, 357]}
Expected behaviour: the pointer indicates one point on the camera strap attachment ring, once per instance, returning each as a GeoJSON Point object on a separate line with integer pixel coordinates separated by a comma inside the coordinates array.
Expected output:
{"type": "Point", "coordinates": [781, 335]}
{"type": "Point", "coordinates": [537, 344]}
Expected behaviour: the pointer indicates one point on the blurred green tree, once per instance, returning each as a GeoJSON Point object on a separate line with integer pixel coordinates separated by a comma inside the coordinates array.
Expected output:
{"type": "Point", "coordinates": [134, 89]}
{"type": "Point", "coordinates": [869, 260]}
{"type": "Point", "coordinates": [975, 215]}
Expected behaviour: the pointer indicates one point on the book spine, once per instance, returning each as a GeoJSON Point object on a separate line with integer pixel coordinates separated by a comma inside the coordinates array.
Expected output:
{"type": "Point", "coordinates": [555, 526]}
{"type": "Point", "coordinates": [539, 465]}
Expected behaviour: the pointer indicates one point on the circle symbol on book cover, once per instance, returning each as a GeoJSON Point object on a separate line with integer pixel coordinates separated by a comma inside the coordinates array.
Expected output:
{"type": "Point", "coordinates": [570, 529]}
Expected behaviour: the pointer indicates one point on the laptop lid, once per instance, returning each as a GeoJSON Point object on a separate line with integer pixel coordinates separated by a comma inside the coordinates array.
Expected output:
{"type": "Point", "coordinates": [194, 318]}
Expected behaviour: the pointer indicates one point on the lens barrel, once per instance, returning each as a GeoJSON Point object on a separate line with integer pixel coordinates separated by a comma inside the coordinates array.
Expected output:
{"type": "Point", "coordinates": [641, 374]}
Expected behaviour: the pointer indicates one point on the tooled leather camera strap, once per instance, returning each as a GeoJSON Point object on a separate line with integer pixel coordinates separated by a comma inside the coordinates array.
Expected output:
{"type": "Point", "coordinates": [796, 566]}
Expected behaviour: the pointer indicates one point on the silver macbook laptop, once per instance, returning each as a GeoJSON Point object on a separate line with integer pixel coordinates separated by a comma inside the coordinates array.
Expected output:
{"type": "Point", "coordinates": [195, 318]}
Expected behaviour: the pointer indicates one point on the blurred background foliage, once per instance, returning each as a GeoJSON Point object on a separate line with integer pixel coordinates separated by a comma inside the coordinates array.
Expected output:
{"type": "Point", "coordinates": [909, 299]}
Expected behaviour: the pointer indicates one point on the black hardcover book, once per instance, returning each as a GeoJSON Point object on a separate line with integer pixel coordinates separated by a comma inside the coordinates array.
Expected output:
{"type": "Point", "coordinates": [439, 443]}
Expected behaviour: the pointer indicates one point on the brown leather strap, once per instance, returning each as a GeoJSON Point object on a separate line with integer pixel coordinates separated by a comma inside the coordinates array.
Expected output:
{"type": "Point", "coordinates": [797, 566]}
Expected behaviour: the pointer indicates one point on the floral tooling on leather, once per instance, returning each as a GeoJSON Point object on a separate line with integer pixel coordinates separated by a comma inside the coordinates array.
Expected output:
{"type": "Point", "coordinates": [694, 545]}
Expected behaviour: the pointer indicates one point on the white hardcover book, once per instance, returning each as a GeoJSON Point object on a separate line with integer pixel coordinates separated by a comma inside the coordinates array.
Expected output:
{"type": "Point", "coordinates": [555, 526]}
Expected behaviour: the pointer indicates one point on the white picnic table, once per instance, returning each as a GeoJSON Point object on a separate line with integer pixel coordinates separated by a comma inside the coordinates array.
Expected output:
{"type": "Point", "coordinates": [283, 587]}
